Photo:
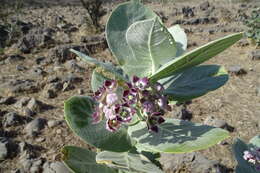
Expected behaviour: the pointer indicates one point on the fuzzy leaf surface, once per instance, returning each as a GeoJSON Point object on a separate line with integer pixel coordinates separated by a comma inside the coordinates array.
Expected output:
{"type": "Point", "coordinates": [180, 38]}
{"type": "Point", "coordinates": [196, 56]}
{"type": "Point", "coordinates": [97, 80]}
{"type": "Point", "coordinates": [81, 160]}
{"type": "Point", "coordinates": [78, 114]}
{"type": "Point", "coordinates": [176, 136]}
{"type": "Point", "coordinates": [152, 46]}
{"type": "Point", "coordinates": [120, 20]}
{"type": "Point", "coordinates": [127, 161]}
{"type": "Point", "coordinates": [238, 149]}
{"type": "Point", "coordinates": [194, 82]}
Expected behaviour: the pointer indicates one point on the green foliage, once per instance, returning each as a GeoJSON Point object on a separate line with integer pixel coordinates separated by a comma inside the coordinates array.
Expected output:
{"type": "Point", "coordinates": [80, 160]}
{"type": "Point", "coordinates": [176, 136]}
{"type": "Point", "coordinates": [253, 23]}
{"type": "Point", "coordinates": [196, 56]}
{"type": "Point", "coordinates": [144, 47]}
{"type": "Point", "coordinates": [127, 161]}
{"type": "Point", "coordinates": [238, 149]}
{"type": "Point", "coordinates": [97, 80]}
{"type": "Point", "coordinates": [151, 44]}
{"type": "Point", "coordinates": [120, 20]}
{"type": "Point", "coordinates": [194, 82]}
{"type": "Point", "coordinates": [78, 114]}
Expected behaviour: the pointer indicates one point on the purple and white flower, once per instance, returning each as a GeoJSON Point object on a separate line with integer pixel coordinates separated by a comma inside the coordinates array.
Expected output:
{"type": "Point", "coordinates": [119, 102]}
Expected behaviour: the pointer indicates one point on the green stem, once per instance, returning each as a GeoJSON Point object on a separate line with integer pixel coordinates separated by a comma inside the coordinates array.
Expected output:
{"type": "Point", "coordinates": [134, 123]}
{"type": "Point", "coordinates": [140, 116]}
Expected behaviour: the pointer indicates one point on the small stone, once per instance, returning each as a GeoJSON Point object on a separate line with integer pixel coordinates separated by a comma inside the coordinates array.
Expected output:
{"type": "Point", "coordinates": [14, 59]}
{"type": "Point", "coordinates": [67, 86]}
{"type": "Point", "coordinates": [39, 60]}
{"type": "Point", "coordinates": [204, 6]}
{"type": "Point", "coordinates": [7, 100]}
{"type": "Point", "coordinates": [35, 126]}
{"type": "Point", "coordinates": [20, 68]}
{"type": "Point", "coordinates": [34, 105]}
{"type": "Point", "coordinates": [37, 71]}
{"type": "Point", "coordinates": [55, 167]}
{"type": "Point", "coordinates": [22, 102]}
{"type": "Point", "coordinates": [49, 94]}
{"type": "Point", "coordinates": [254, 55]}
{"type": "Point", "coordinates": [72, 78]}
{"type": "Point", "coordinates": [58, 131]}
{"type": "Point", "coordinates": [12, 119]}
{"type": "Point", "coordinates": [8, 148]}
{"type": "Point", "coordinates": [81, 91]}
{"type": "Point", "coordinates": [184, 114]}
{"type": "Point", "coordinates": [195, 161]}
{"type": "Point", "coordinates": [188, 11]}
{"type": "Point", "coordinates": [40, 139]}
{"type": "Point", "coordinates": [211, 121]}
{"type": "Point", "coordinates": [28, 112]}
{"type": "Point", "coordinates": [3, 151]}
{"type": "Point", "coordinates": [28, 151]}
{"type": "Point", "coordinates": [53, 123]}
{"type": "Point", "coordinates": [243, 43]}
{"type": "Point", "coordinates": [53, 79]}
{"type": "Point", "coordinates": [237, 70]}
{"type": "Point", "coordinates": [22, 86]}
{"type": "Point", "coordinates": [32, 165]}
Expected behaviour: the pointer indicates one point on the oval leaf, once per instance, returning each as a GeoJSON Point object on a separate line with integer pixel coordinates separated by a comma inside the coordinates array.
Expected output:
{"type": "Point", "coordinates": [196, 56]}
{"type": "Point", "coordinates": [78, 114]}
{"type": "Point", "coordinates": [176, 136]}
{"type": "Point", "coordinates": [120, 20]}
{"type": "Point", "coordinates": [127, 161]}
{"type": "Point", "coordinates": [180, 38]}
{"type": "Point", "coordinates": [81, 160]}
{"type": "Point", "coordinates": [97, 80]}
{"type": "Point", "coordinates": [238, 149]}
{"type": "Point", "coordinates": [255, 141]}
{"type": "Point", "coordinates": [194, 82]}
{"type": "Point", "coordinates": [152, 46]}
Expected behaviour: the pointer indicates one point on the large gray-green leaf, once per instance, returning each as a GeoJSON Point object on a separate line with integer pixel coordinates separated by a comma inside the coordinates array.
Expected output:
{"type": "Point", "coordinates": [152, 46]}
{"type": "Point", "coordinates": [127, 161]}
{"type": "Point", "coordinates": [180, 38]}
{"type": "Point", "coordinates": [97, 80]}
{"type": "Point", "coordinates": [78, 114]}
{"type": "Point", "coordinates": [81, 160]}
{"type": "Point", "coordinates": [255, 141]}
{"type": "Point", "coordinates": [238, 149]}
{"type": "Point", "coordinates": [116, 71]}
{"type": "Point", "coordinates": [194, 82]}
{"type": "Point", "coordinates": [196, 56]}
{"type": "Point", "coordinates": [176, 136]}
{"type": "Point", "coordinates": [120, 20]}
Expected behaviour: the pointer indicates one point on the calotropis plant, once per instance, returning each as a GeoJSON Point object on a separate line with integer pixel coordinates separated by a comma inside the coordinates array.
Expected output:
{"type": "Point", "coordinates": [247, 155]}
{"type": "Point", "coordinates": [125, 117]}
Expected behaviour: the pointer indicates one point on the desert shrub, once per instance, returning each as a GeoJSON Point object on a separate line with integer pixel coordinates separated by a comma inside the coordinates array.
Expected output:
{"type": "Point", "coordinates": [253, 24]}
{"type": "Point", "coordinates": [124, 119]}
{"type": "Point", "coordinates": [94, 9]}
{"type": "Point", "coordinates": [9, 29]}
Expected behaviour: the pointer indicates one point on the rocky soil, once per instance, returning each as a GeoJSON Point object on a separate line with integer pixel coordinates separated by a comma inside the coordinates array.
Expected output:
{"type": "Point", "coordinates": [37, 73]}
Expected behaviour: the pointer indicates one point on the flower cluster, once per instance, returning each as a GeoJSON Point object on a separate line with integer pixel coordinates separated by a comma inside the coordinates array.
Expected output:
{"type": "Point", "coordinates": [118, 102]}
{"type": "Point", "coordinates": [253, 157]}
